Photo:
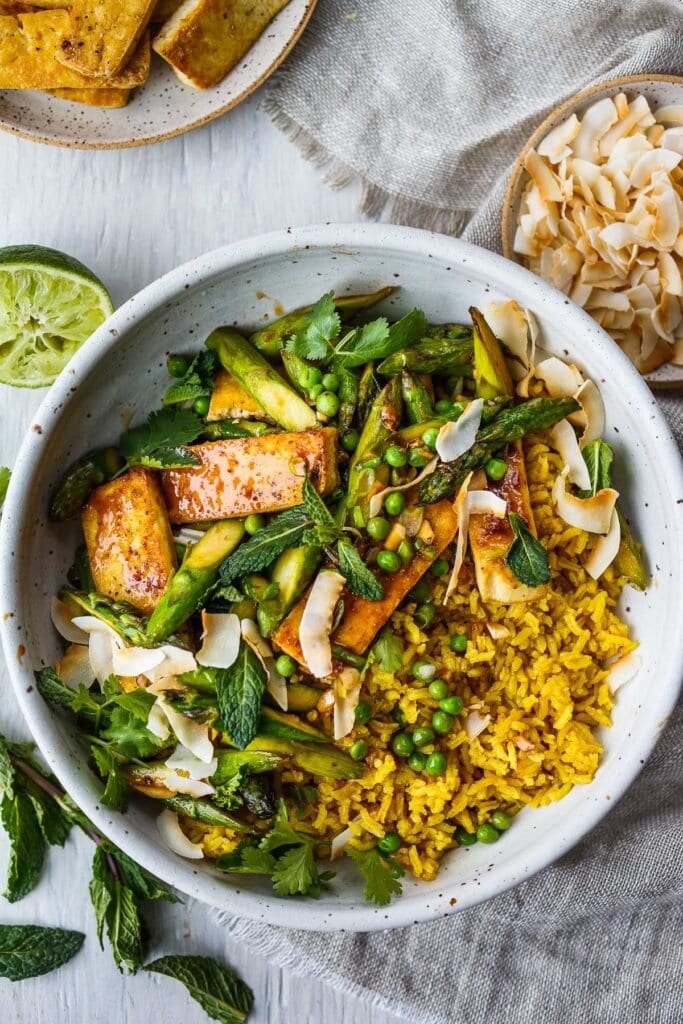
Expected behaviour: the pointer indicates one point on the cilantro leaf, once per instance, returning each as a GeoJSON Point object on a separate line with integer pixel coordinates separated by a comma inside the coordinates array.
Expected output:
{"type": "Point", "coordinates": [168, 457]}
{"type": "Point", "coordinates": [139, 702]}
{"type": "Point", "coordinates": [598, 456]}
{"type": "Point", "coordinates": [165, 431]}
{"type": "Point", "coordinates": [217, 989]}
{"type": "Point", "coordinates": [247, 859]}
{"type": "Point", "coordinates": [381, 875]}
{"type": "Point", "coordinates": [377, 340]}
{"type": "Point", "coordinates": [359, 579]}
{"type": "Point", "coordinates": [295, 872]}
{"type": "Point", "coordinates": [284, 531]}
{"type": "Point", "coordinates": [5, 475]}
{"type": "Point", "coordinates": [322, 326]}
{"type": "Point", "coordinates": [116, 790]}
{"type": "Point", "coordinates": [388, 652]}
{"type": "Point", "coordinates": [281, 832]}
{"type": "Point", "coordinates": [28, 950]}
{"type": "Point", "coordinates": [527, 559]}
{"type": "Point", "coordinates": [198, 381]}
{"type": "Point", "coordinates": [239, 691]}
{"type": "Point", "coordinates": [130, 736]}
{"type": "Point", "coordinates": [358, 346]}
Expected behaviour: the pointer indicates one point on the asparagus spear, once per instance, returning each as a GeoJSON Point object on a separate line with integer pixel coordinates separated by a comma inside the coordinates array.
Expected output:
{"type": "Point", "coordinates": [349, 390]}
{"type": "Point", "coordinates": [491, 374]}
{"type": "Point", "coordinates": [417, 400]}
{"type": "Point", "coordinates": [491, 409]}
{"type": "Point", "coordinates": [270, 340]}
{"type": "Point", "coordinates": [243, 361]}
{"type": "Point", "coordinates": [439, 354]}
{"type": "Point", "coordinates": [368, 389]}
{"type": "Point", "coordinates": [298, 371]}
{"type": "Point", "coordinates": [81, 479]}
{"type": "Point", "coordinates": [293, 571]}
{"type": "Point", "coordinates": [206, 812]}
{"type": "Point", "coordinates": [629, 561]}
{"type": "Point", "coordinates": [538, 414]}
{"type": "Point", "coordinates": [122, 617]}
{"type": "Point", "coordinates": [302, 698]}
{"type": "Point", "coordinates": [382, 421]}
{"type": "Point", "coordinates": [219, 430]}
{"type": "Point", "coordinates": [194, 579]}
{"type": "Point", "coordinates": [320, 759]}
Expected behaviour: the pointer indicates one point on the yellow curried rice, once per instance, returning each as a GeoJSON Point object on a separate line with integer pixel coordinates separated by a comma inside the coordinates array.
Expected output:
{"type": "Point", "coordinates": [544, 687]}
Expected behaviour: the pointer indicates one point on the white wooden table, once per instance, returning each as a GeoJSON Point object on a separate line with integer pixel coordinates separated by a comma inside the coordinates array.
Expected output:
{"type": "Point", "coordinates": [131, 215]}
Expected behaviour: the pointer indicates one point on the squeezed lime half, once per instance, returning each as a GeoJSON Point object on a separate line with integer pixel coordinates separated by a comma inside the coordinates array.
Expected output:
{"type": "Point", "coordinates": [50, 303]}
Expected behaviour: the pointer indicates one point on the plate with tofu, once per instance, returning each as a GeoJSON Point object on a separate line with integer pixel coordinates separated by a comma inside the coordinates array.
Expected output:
{"type": "Point", "coordinates": [380, 575]}
{"type": "Point", "coordinates": [89, 74]}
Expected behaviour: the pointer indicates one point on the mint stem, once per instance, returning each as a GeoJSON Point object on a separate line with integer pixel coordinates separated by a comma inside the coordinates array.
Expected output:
{"type": "Point", "coordinates": [58, 795]}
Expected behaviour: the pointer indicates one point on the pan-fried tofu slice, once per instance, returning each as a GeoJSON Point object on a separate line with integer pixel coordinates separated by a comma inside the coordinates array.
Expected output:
{"type": "Point", "coordinates": [110, 98]}
{"type": "Point", "coordinates": [362, 619]}
{"type": "Point", "coordinates": [229, 400]}
{"type": "Point", "coordinates": [102, 35]}
{"type": "Point", "coordinates": [28, 46]}
{"type": "Point", "coordinates": [251, 474]}
{"type": "Point", "coordinates": [491, 536]}
{"type": "Point", "coordinates": [204, 39]}
{"type": "Point", "coordinates": [128, 539]}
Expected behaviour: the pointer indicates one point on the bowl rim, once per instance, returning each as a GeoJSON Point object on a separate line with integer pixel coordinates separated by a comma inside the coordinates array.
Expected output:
{"type": "Point", "coordinates": [172, 133]}
{"type": "Point", "coordinates": [180, 873]}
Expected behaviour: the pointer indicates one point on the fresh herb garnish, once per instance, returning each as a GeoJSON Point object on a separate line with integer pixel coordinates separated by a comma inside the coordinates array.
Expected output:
{"type": "Point", "coordinates": [239, 691]}
{"type": "Point", "coordinates": [387, 651]}
{"type": "Point", "coordinates": [381, 875]}
{"type": "Point", "coordinates": [27, 950]}
{"type": "Point", "coordinates": [158, 443]}
{"type": "Point", "coordinates": [284, 531]}
{"type": "Point", "coordinates": [198, 382]}
{"type": "Point", "coordinates": [359, 579]}
{"type": "Point", "coordinates": [527, 559]}
{"type": "Point", "coordinates": [322, 326]}
{"type": "Point", "coordinates": [598, 456]}
{"type": "Point", "coordinates": [217, 989]}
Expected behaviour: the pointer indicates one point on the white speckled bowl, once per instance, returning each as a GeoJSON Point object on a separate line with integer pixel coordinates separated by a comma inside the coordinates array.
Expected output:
{"type": "Point", "coordinates": [163, 107]}
{"type": "Point", "coordinates": [122, 367]}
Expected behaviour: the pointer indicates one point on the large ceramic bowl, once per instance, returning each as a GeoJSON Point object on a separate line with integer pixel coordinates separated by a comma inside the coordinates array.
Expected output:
{"type": "Point", "coordinates": [121, 369]}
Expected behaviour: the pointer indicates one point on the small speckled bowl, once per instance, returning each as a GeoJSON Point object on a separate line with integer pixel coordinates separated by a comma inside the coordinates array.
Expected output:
{"type": "Point", "coordinates": [163, 107]}
{"type": "Point", "coordinates": [121, 369]}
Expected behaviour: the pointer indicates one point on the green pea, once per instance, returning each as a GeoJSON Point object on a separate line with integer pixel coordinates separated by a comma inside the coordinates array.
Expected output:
{"type": "Point", "coordinates": [396, 456]}
{"type": "Point", "coordinates": [327, 403]}
{"type": "Point", "coordinates": [423, 736]}
{"type": "Point", "coordinates": [388, 561]}
{"type": "Point", "coordinates": [423, 670]}
{"type": "Point", "coordinates": [439, 567]}
{"type": "Point", "coordinates": [438, 689]}
{"type": "Point", "coordinates": [177, 366]}
{"type": "Point", "coordinates": [398, 716]}
{"type": "Point", "coordinates": [254, 523]}
{"type": "Point", "coordinates": [443, 407]}
{"type": "Point", "coordinates": [429, 437]}
{"type": "Point", "coordinates": [465, 838]}
{"type": "Point", "coordinates": [363, 712]}
{"type": "Point", "coordinates": [395, 503]}
{"type": "Point", "coordinates": [496, 469]}
{"type": "Point", "coordinates": [313, 377]}
{"type": "Point", "coordinates": [417, 761]}
{"type": "Point", "coordinates": [358, 750]}
{"type": "Point", "coordinates": [402, 744]}
{"type": "Point", "coordinates": [201, 405]}
{"type": "Point", "coordinates": [421, 592]}
{"type": "Point", "coordinates": [419, 457]}
{"type": "Point", "coordinates": [330, 382]}
{"type": "Point", "coordinates": [285, 665]}
{"type": "Point", "coordinates": [451, 705]}
{"type": "Point", "coordinates": [425, 615]}
{"type": "Point", "coordinates": [458, 643]}
{"type": "Point", "coordinates": [379, 528]}
{"type": "Point", "coordinates": [442, 722]}
{"type": "Point", "coordinates": [488, 833]}
{"type": "Point", "coordinates": [501, 820]}
{"type": "Point", "coordinates": [349, 441]}
{"type": "Point", "coordinates": [436, 763]}
{"type": "Point", "coordinates": [390, 843]}
{"type": "Point", "coordinates": [315, 392]}
{"type": "Point", "coordinates": [406, 551]}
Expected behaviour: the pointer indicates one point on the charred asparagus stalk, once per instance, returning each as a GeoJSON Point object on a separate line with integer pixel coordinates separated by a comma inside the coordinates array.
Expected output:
{"type": "Point", "coordinates": [382, 420]}
{"type": "Point", "coordinates": [221, 430]}
{"type": "Point", "coordinates": [536, 415]}
{"type": "Point", "coordinates": [447, 352]}
{"type": "Point", "coordinates": [416, 398]}
{"type": "Point", "coordinates": [124, 619]}
{"type": "Point", "coordinates": [206, 812]}
{"type": "Point", "coordinates": [80, 481]}
{"type": "Point", "coordinates": [293, 571]}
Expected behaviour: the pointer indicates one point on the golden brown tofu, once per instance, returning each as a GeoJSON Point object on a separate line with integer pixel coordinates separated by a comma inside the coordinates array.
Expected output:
{"type": "Point", "coordinates": [163, 9]}
{"type": "Point", "coordinates": [204, 39]}
{"type": "Point", "coordinates": [229, 400]}
{"type": "Point", "coordinates": [491, 536]}
{"type": "Point", "coordinates": [28, 47]}
{"type": "Point", "coordinates": [129, 541]}
{"type": "Point", "coordinates": [102, 35]}
{"type": "Point", "coordinates": [363, 619]}
{"type": "Point", "coordinates": [251, 474]}
{"type": "Point", "coordinates": [109, 98]}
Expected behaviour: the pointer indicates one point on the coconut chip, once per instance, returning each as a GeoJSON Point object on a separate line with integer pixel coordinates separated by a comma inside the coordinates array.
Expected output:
{"type": "Point", "coordinates": [316, 622]}
{"type": "Point", "coordinates": [622, 671]}
{"type": "Point", "coordinates": [174, 837]}
{"type": "Point", "coordinates": [220, 640]}
{"type": "Point", "coordinates": [475, 724]}
{"type": "Point", "coordinates": [377, 500]}
{"type": "Point", "coordinates": [605, 550]}
{"type": "Point", "coordinates": [346, 687]}
{"type": "Point", "coordinates": [457, 436]}
{"type": "Point", "coordinates": [276, 684]}
{"type": "Point", "coordinates": [74, 667]}
{"type": "Point", "coordinates": [470, 503]}
{"type": "Point", "coordinates": [591, 514]}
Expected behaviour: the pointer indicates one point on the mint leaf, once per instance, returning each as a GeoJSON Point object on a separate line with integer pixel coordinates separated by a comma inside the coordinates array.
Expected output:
{"type": "Point", "coordinates": [388, 652]}
{"type": "Point", "coordinates": [27, 950]}
{"type": "Point", "coordinates": [215, 987]}
{"type": "Point", "coordinates": [598, 456]}
{"type": "Point", "coordinates": [239, 691]}
{"type": "Point", "coordinates": [165, 429]}
{"type": "Point", "coordinates": [130, 736]}
{"type": "Point", "coordinates": [5, 475]}
{"type": "Point", "coordinates": [55, 823]}
{"type": "Point", "coordinates": [139, 702]}
{"type": "Point", "coordinates": [142, 884]}
{"type": "Point", "coordinates": [284, 531]}
{"type": "Point", "coordinates": [322, 326]}
{"type": "Point", "coordinates": [381, 875]}
{"type": "Point", "coordinates": [116, 910]}
{"type": "Point", "coordinates": [315, 506]}
{"type": "Point", "coordinates": [359, 579]}
{"type": "Point", "coordinates": [27, 846]}
{"type": "Point", "coordinates": [7, 771]}
{"type": "Point", "coordinates": [198, 381]}
{"type": "Point", "coordinates": [116, 790]}
{"type": "Point", "coordinates": [527, 559]}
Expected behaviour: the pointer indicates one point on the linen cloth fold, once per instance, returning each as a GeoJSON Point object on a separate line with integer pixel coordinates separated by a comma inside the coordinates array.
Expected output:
{"type": "Point", "coordinates": [429, 103]}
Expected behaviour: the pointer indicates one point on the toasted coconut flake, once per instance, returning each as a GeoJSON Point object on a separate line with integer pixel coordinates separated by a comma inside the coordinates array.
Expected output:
{"type": "Point", "coordinates": [187, 535]}
{"type": "Point", "coordinates": [174, 837]}
{"type": "Point", "coordinates": [517, 329]}
{"type": "Point", "coordinates": [346, 695]}
{"type": "Point", "coordinates": [623, 671]}
{"type": "Point", "coordinates": [497, 631]}
{"type": "Point", "coordinates": [74, 667]}
{"type": "Point", "coordinates": [562, 380]}
{"type": "Point", "coordinates": [650, 163]}
{"type": "Point", "coordinates": [276, 684]}
{"type": "Point", "coordinates": [101, 649]}
{"type": "Point", "coordinates": [594, 515]}
{"type": "Point", "coordinates": [193, 735]}
{"type": "Point", "coordinates": [595, 122]}
{"type": "Point", "coordinates": [565, 441]}
{"type": "Point", "coordinates": [340, 842]}
{"type": "Point", "coordinates": [546, 181]}
{"type": "Point", "coordinates": [62, 620]}
{"type": "Point", "coordinates": [316, 622]}
{"type": "Point", "coordinates": [157, 723]}
{"type": "Point", "coordinates": [136, 661]}
{"type": "Point", "coordinates": [90, 624]}
{"type": "Point", "coordinates": [672, 114]}
{"type": "Point", "coordinates": [177, 660]}
{"type": "Point", "coordinates": [183, 760]}
{"type": "Point", "coordinates": [178, 783]}
{"type": "Point", "coordinates": [605, 550]}
{"type": "Point", "coordinates": [377, 500]}
{"type": "Point", "coordinates": [462, 513]}
{"type": "Point", "coordinates": [475, 724]}
{"type": "Point", "coordinates": [220, 640]}
{"type": "Point", "coordinates": [593, 409]}
{"type": "Point", "coordinates": [672, 138]}
{"type": "Point", "coordinates": [555, 146]}
{"type": "Point", "coordinates": [457, 437]}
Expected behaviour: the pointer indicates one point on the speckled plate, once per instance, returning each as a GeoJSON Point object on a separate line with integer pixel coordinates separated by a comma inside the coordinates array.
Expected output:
{"type": "Point", "coordinates": [659, 90]}
{"type": "Point", "coordinates": [164, 107]}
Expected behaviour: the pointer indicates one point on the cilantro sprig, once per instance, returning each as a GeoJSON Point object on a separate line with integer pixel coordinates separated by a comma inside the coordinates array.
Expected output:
{"type": "Point", "coordinates": [159, 443]}
{"type": "Point", "coordinates": [198, 381]}
{"type": "Point", "coordinates": [381, 874]}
